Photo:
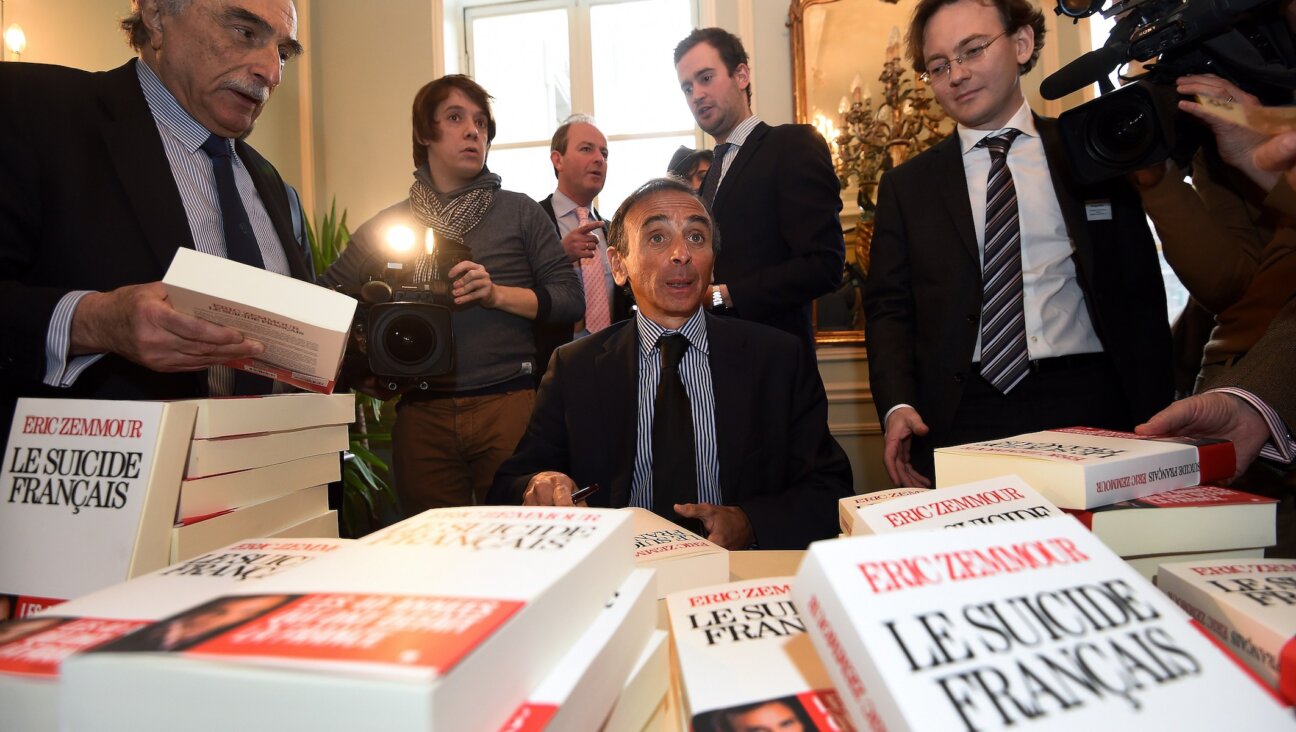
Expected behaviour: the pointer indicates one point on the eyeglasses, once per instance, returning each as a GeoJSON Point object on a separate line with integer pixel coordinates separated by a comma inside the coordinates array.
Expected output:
{"type": "Point", "coordinates": [941, 72]}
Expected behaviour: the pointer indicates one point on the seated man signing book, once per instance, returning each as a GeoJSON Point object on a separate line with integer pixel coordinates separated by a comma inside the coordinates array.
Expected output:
{"type": "Point", "coordinates": [713, 423]}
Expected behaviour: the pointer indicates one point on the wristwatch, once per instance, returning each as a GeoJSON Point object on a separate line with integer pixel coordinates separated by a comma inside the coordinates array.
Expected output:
{"type": "Point", "coordinates": [717, 300]}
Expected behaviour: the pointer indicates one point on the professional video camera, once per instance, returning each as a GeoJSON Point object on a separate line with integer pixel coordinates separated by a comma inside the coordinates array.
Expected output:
{"type": "Point", "coordinates": [1138, 125]}
{"type": "Point", "coordinates": [402, 331]}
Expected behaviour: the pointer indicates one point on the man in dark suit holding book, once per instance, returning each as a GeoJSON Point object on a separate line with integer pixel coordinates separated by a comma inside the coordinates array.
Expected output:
{"type": "Point", "coordinates": [1003, 297]}
{"type": "Point", "coordinates": [710, 422]}
{"type": "Point", "coordinates": [103, 176]}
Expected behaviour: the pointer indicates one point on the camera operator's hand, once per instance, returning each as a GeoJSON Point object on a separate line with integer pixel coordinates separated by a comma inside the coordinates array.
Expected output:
{"type": "Point", "coordinates": [376, 387]}
{"type": "Point", "coordinates": [549, 488]}
{"type": "Point", "coordinates": [137, 323]}
{"type": "Point", "coordinates": [1236, 144]}
{"type": "Point", "coordinates": [1278, 155]}
{"type": "Point", "coordinates": [472, 284]}
{"type": "Point", "coordinates": [580, 243]}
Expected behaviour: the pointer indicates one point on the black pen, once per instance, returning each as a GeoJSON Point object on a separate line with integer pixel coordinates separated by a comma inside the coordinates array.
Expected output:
{"type": "Point", "coordinates": [583, 493]}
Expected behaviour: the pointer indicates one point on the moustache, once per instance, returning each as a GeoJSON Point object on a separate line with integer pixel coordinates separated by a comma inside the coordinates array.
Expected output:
{"type": "Point", "coordinates": [248, 88]}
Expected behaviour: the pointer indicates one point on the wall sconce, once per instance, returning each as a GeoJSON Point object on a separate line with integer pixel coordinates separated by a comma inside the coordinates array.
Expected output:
{"type": "Point", "coordinates": [15, 40]}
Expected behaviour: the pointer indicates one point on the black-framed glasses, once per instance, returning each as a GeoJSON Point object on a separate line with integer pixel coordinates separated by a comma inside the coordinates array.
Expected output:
{"type": "Point", "coordinates": [941, 71]}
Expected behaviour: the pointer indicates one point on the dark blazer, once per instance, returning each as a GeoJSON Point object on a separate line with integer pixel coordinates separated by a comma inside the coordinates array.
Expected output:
{"type": "Point", "coordinates": [548, 336]}
{"type": "Point", "coordinates": [777, 460]}
{"type": "Point", "coordinates": [922, 299]}
{"type": "Point", "coordinates": [780, 236]}
{"type": "Point", "coordinates": [1267, 368]}
{"type": "Point", "coordinates": [88, 202]}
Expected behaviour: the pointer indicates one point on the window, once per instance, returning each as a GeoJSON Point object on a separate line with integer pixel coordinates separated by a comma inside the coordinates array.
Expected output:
{"type": "Point", "coordinates": [544, 60]}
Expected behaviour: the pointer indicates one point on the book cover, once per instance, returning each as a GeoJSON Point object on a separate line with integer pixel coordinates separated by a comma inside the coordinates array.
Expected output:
{"type": "Point", "coordinates": [31, 651]}
{"type": "Point", "coordinates": [230, 454]}
{"type": "Point", "coordinates": [1081, 467]}
{"type": "Point", "coordinates": [579, 692]}
{"type": "Point", "coordinates": [682, 558]}
{"type": "Point", "coordinates": [90, 491]}
{"type": "Point", "coordinates": [846, 506]}
{"type": "Point", "coordinates": [232, 416]}
{"type": "Point", "coordinates": [744, 658]}
{"type": "Point", "coordinates": [1148, 564]}
{"type": "Point", "coordinates": [997, 500]}
{"type": "Point", "coordinates": [1250, 605]}
{"type": "Point", "coordinates": [1022, 626]}
{"type": "Point", "coordinates": [304, 327]}
{"type": "Point", "coordinates": [1193, 519]}
{"type": "Point", "coordinates": [261, 519]}
{"type": "Point", "coordinates": [227, 491]}
{"type": "Point", "coordinates": [416, 619]}
{"type": "Point", "coordinates": [644, 692]}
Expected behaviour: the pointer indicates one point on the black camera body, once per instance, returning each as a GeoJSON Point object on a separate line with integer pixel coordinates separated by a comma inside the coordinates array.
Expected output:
{"type": "Point", "coordinates": [403, 332]}
{"type": "Point", "coordinates": [1139, 125]}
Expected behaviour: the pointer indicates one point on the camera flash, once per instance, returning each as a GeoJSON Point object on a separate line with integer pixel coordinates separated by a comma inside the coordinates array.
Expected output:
{"type": "Point", "coordinates": [400, 238]}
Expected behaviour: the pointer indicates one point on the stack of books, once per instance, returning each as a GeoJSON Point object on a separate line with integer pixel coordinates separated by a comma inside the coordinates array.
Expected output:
{"type": "Point", "coordinates": [466, 618]}
{"type": "Point", "coordinates": [1004, 499]}
{"type": "Point", "coordinates": [260, 466]}
{"type": "Point", "coordinates": [682, 559]}
{"type": "Point", "coordinates": [1023, 625]}
{"type": "Point", "coordinates": [32, 649]}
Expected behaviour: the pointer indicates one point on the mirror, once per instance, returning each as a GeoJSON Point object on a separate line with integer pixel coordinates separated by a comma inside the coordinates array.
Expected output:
{"type": "Point", "coordinates": [851, 81]}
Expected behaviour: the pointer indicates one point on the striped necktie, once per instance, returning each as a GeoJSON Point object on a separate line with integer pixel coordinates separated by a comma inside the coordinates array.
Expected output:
{"type": "Point", "coordinates": [1004, 358]}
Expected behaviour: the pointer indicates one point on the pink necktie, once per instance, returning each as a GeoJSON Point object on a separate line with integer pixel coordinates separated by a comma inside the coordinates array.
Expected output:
{"type": "Point", "coordinates": [597, 316]}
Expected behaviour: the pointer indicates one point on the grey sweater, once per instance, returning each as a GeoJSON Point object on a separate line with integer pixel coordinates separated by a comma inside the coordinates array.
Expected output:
{"type": "Point", "coordinates": [517, 244]}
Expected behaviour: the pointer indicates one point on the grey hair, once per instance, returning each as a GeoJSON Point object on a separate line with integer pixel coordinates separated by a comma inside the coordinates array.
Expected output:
{"type": "Point", "coordinates": [133, 24]}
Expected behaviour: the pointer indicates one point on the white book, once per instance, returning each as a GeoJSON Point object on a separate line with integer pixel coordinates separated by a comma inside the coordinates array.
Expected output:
{"type": "Point", "coordinates": [579, 692]}
{"type": "Point", "coordinates": [226, 491]}
{"type": "Point", "coordinates": [1149, 564]}
{"type": "Point", "coordinates": [90, 490]}
{"type": "Point", "coordinates": [681, 558]}
{"type": "Point", "coordinates": [1250, 605]}
{"type": "Point", "coordinates": [1199, 518]}
{"type": "Point", "coordinates": [246, 415]}
{"type": "Point", "coordinates": [1080, 467]}
{"type": "Point", "coordinates": [644, 692]}
{"type": "Point", "coordinates": [846, 506]}
{"type": "Point", "coordinates": [29, 666]}
{"type": "Point", "coordinates": [261, 519]}
{"type": "Point", "coordinates": [230, 454]}
{"type": "Point", "coordinates": [742, 644]}
{"type": "Point", "coordinates": [324, 525]}
{"type": "Point", "coordinates": [997, 500]}
{"type": "Point", "coordinates": [416, 620]}
{"type": "Point", "coordinates": [304, 327]}
{"type": "Point", "coordinates": [1022, 626]}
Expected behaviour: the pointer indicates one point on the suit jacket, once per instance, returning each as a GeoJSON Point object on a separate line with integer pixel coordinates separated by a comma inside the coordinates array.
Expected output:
{"type": "Point", "coordinates": [922, 299]}
{"type": "Point", "coordinates": [88, 202]}
{"type": "Point", "coordinates": [1267, 368]}
{"type": "Point", "coordinates": [777, 460]}
{"type": "Point", "coordinates": [780, 236]}
{"type": "Point", "coordinates": [549, 336]}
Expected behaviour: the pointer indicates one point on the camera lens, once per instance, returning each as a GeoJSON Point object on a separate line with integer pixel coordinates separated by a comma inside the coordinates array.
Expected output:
{"type": "Point", "coordinates": [409, 339]}
{"type": "Point", "coordinates": [1121, 134]}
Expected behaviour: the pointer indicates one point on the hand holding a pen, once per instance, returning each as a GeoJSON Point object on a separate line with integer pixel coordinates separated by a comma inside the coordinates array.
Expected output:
{"type": "Point", "coordinates": [551, 488]}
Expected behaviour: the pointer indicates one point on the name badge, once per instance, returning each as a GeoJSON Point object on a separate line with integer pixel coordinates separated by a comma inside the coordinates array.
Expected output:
{"type": "Point", "coordinates": [1098, 210]}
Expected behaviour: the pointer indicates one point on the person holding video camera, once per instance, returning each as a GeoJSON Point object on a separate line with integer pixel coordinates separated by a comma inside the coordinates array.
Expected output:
{"type": "Point", "coordinates": [454, 430]}
{"type": "Point", "coordinates": [1064, 323]}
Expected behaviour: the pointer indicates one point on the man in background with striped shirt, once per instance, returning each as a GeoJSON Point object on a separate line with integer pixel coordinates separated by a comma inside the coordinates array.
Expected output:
{"type": "Point", "coordinates": [717, 424]}
{"type": "Point", "coordinates": [103, 176]}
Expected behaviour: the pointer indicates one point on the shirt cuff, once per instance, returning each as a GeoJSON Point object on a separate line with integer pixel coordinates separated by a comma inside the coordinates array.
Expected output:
{"type": "Point", "coordinates": [1280, 447]}
{"type": "Point", "coordinates": [892, 411]}
{"type": "Point", "coordinates": [60, 371]}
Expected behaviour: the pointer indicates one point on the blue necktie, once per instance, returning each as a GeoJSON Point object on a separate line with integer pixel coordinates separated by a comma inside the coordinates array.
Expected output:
{"type": "Point", "coordinates": [1004, 357]}
{"type": "Point", "coordinates": [240, 241]}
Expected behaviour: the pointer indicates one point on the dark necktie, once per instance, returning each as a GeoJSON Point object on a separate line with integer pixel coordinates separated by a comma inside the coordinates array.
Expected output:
{"type": "Point", "coordinates": [712, 180]}
{"type": "Point", "coordinates": [1004, 358]}
{"type": "Point", "coordinates": [240, 241]}
{"type": "Point", "coordinates": [674, 456]}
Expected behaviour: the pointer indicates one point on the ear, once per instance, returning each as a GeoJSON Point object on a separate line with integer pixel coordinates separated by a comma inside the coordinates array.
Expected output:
{"type": "Point", "coordinates": [619, 273]}
{"type": "Point", "coordinates": [555, 157]}
{"type": "Point", "coordinates": [1024, 43]}
{"type": "Point", "coordinates": [742, 75]}
{"type": "Point", "coordinates": [151, 15]}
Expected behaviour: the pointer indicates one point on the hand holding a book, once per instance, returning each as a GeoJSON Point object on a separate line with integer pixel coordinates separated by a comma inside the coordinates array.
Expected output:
{"type": "Point", "coordinates": [1213, 414]}
{"type": "Point", "coordinates": [901, 427]}
{"type": "Point", "coordinates": [550, 488]}
{"type": "Point", "coordinates": [138, 323]}
{"type": "Point", "coordinates": [727, 526]}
